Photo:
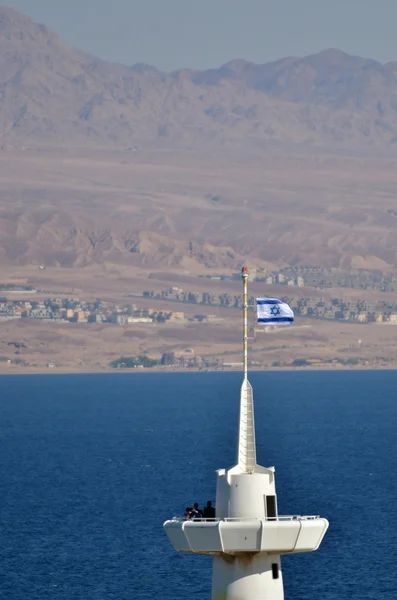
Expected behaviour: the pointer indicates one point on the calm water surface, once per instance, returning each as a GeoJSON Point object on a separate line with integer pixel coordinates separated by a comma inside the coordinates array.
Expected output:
{"type": "Point", "coordinates": [91, 466]}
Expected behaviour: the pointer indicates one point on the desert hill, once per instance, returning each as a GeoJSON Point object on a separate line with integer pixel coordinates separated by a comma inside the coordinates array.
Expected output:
{"type": "Point", "coordinates": [91, 170]}
{"type": "Point", "coordinates": [51, 93]}
{"type": "Point", "coordinates": [169, 210]}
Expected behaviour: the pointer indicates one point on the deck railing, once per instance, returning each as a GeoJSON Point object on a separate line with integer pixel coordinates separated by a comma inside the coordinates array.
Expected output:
{"type": "Point", "coordinates": [247, 519]}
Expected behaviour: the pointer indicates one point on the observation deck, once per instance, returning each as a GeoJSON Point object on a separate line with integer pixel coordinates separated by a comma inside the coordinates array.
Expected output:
{"type": "Point", "coordinates": [236, 536]}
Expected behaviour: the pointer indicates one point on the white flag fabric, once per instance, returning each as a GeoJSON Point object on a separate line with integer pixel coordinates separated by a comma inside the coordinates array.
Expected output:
{"type": "Point", "coordinates": [273, 312]}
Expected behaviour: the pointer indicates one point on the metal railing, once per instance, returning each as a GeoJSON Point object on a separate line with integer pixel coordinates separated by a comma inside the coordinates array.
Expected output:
{"type": "Point", "coordinates": [248, 519]}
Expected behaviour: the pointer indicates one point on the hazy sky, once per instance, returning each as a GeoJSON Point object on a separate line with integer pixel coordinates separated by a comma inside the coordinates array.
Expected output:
{"type": "Point", "coordinates": [205, 33]}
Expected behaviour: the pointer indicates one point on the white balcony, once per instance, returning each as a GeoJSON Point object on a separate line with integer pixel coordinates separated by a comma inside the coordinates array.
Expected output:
{"type": "Point", "coordinates": [280, 535]}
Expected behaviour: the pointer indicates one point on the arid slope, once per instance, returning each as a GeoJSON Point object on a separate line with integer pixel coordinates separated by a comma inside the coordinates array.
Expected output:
{"type": "Point", "coordinates": [192, 213]}
{"type": "Point", "coordinates": [53, 94]}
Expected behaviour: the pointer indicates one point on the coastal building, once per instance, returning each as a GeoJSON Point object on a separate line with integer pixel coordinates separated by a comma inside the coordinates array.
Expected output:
{"type": "Point", "coordinates": [139, 320]}
{"type": "Point", "coordinates": [177, 316]}
{"type": "Point", "coordinates": [119, 319]}
{"type": "Point", "coordinates": [95, 318]}
{"type": "Point", "coordinates": [168, 359]}
{"type": "Point", "coordinates": [80, 316]}
{"type": "Point", "coordinates": [39, 313]}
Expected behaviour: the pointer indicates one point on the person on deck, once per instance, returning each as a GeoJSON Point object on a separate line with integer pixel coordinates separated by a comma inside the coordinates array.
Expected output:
{"type": "Point", "coordinates": [209, 511]}
{"type": "Point", "coordinates": [196, 513]}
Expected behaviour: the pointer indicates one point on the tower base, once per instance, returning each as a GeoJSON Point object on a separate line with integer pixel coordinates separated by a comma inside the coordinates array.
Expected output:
{"type": "Point", "coordinates": [247, 577]}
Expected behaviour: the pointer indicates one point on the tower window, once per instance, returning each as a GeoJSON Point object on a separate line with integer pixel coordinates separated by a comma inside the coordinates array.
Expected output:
{"type": "Point", "coordinates": [275, 570]}
{"type": "Point", "coordinates": [271, 508]}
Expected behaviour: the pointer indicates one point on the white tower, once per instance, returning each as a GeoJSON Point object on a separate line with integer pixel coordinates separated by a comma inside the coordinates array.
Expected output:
{"type": "Point", "coordinates": [248, 535]}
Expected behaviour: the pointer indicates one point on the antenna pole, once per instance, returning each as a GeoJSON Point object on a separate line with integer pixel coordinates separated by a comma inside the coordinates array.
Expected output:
{"type": "Point", "coordinates": [244, 275]}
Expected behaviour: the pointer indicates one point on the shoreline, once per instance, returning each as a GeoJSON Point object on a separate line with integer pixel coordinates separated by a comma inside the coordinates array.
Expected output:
{"type": "Point", "coordinates": [68, 371]}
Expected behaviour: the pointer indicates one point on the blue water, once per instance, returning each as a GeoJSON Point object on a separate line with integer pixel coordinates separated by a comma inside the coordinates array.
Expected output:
{"type": "Point", "coordinates": [91, 466]}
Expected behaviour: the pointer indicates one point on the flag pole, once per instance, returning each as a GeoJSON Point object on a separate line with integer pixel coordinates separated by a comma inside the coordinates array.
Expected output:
{"type": "Point", "coordinates": [244, 275]}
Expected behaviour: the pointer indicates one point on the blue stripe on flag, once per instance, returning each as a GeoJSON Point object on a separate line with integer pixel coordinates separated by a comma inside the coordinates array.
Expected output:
{"type": "Point", "coordinates": [277, 320]}
{"type": "Point", "coordinates": [269, 301]}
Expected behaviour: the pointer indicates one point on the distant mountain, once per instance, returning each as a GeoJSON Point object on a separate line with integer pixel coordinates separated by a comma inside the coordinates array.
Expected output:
{"type": "Point", "coordinates": [52, 94]}
{"type": "Point", "coordinates": [331, 78]}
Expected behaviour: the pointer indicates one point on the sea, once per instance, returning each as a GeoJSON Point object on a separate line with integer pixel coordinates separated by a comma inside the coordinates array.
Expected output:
{"type": "Point", "coordinates": [92, 465]}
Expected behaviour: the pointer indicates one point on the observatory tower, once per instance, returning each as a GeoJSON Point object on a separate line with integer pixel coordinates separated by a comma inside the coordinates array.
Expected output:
{"type": "Point", "coordinates": [248, 535]}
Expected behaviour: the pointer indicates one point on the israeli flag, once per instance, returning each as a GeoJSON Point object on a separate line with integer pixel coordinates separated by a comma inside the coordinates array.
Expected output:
{"type": "Point", "coordinates": [273, 312]}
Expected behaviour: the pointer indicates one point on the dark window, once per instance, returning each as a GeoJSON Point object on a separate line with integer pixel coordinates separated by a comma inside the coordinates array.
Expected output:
{"type": "Point", "coordinates": [275, 570]}
{"type": "Point", "coordinates": [271, 509]}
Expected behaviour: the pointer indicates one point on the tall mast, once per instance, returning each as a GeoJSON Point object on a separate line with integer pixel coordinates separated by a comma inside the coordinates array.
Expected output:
{"type": "Point", "coordinates": [246, 451]}
{"type": "Point", "coordinates": [244, 275]}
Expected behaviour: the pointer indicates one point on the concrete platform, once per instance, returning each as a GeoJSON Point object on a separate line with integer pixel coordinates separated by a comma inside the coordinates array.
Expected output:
{"type": "Point", "coordinates": [284, 535]}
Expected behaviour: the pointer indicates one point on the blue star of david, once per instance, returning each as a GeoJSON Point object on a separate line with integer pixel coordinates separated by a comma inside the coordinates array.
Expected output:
{"type": "Point", "coordinates": [275, 310]}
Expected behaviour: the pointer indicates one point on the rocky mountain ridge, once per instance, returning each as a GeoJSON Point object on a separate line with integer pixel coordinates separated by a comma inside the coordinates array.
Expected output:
{"type": "Point", "coordinates": [80, 195]}
{"type": "Point", "coordinates": [51, 93]}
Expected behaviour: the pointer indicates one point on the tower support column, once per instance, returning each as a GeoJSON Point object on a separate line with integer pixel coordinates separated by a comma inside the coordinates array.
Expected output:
{"type": "Point", "coordinates": [253, 577]}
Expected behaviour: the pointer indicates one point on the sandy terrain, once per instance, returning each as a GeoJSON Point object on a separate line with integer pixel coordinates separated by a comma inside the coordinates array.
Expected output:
{"type": "Point", "coordinates": [156, 210]}
{"type": "Point", "coordinates": [79, 215]}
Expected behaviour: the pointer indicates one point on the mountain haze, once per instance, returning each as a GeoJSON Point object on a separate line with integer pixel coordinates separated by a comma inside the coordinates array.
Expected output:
{"type": "Point", "coordinates": [51, 93]}
{"type": "Point", "coordinates": [85, 178]}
